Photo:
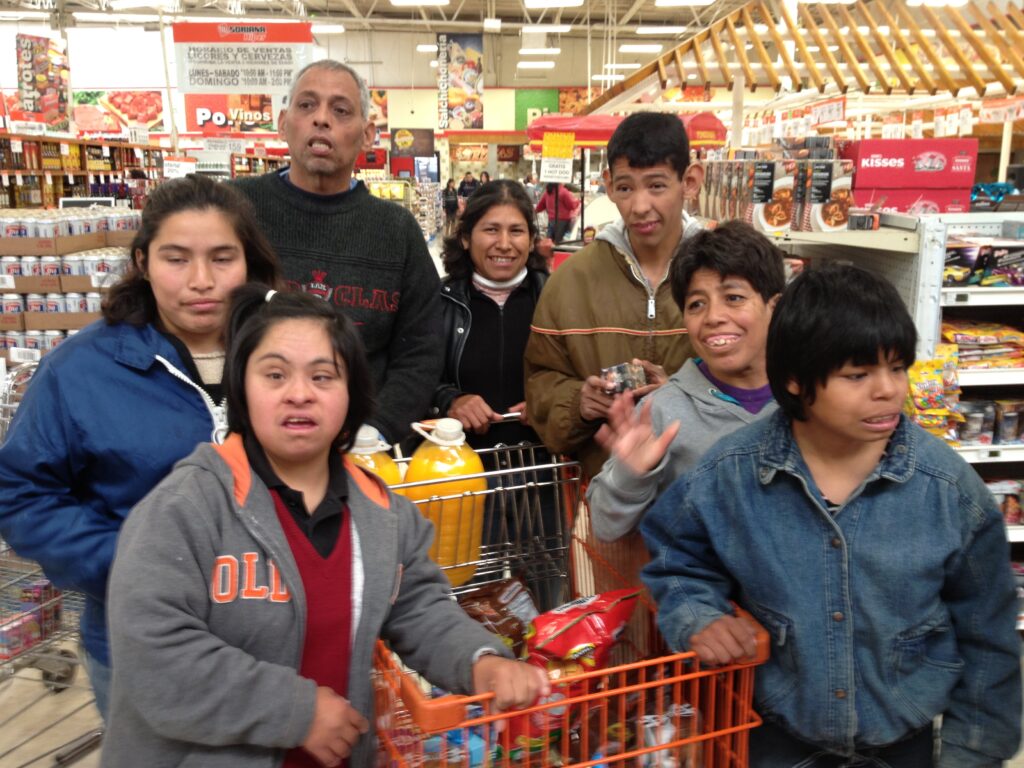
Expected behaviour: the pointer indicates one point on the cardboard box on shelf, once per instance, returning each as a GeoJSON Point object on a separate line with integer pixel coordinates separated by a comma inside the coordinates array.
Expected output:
{"type": "Point", "coordinates": [58, 321]}
{"type": "Point", "coordinates": [37, 284]}
{"type": "Point", "coordinates": [914, 201]}
{"type": "Point", "coordinates": [12, 322]}
{"type": "Point", "coordinates": [912, 163]}
{"type": "Point", "coordinates": [87, 283]}
{"type": "Point", "coordinates": [121, 237]}
{"type": "Point", "coordinates": [51, 246]}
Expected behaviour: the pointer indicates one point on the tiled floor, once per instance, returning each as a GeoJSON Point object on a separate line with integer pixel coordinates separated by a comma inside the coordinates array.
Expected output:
{"type": "Point", "coordinates": [35, 723]}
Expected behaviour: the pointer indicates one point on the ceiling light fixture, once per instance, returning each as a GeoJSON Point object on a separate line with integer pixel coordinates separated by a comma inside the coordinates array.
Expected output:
{"type": "Point", "coordinates": [328, 29]}
{"type": "Point", "coordinates": [665, 30]}
{"type": "Point", "coordinates": [492, 25]}
{"type": "Point", "coordinates": [539, 51]}
{"type": "Point", "coordinates": [18, 15]}
{"type": "Point", "coordinates": [433, 63]}
{"type": "Point", "coordinates": [546, 28]}
{"type": "Point", "coordinates": [535, 65]}
{"type": "Point", "coordinates": [608, 78]}
{"type": "Point", "coordinates": [426, 48]}
{"type": "Point", "coordinates": [641, 48]}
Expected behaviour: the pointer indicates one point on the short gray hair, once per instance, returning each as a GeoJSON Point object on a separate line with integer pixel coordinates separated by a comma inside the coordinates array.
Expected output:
{"type": "Point", "coordinates": [335, 66]}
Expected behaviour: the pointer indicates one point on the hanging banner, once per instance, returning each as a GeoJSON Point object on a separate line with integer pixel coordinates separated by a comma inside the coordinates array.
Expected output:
{"type": "Point", "coordinates": [996, 111]}
{"type": "Point", "coordinates": [829, 111]}
{"type": "Point", "coordinates": [412, 142]}
{"type": "Point", "coordinates": [177, 167]}
{"type": "Point", "coordinates": [379, 109]}
{"type": "Point", "coordinates": [460, 83]}
{"type": "Point", "coordinates": [223, 113]}
{"type": "Point", "coordinates": [572, 101]}
{"type": "Point", "coordinates": [97, 112]}
{"type": "Point", "coordinates": [240, 58]}
{"type": "Point", "coordinates": [43, 81]}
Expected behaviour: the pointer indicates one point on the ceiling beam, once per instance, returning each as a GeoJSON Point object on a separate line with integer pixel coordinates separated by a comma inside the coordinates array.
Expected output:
{"type": "Point", "coordinates": [809, 61]}
{"type": "Point", "coordinates": [929, 51]}
{"type": "Point", "coordinates": [904, 46]}
{"type": "Point", "coordinates": [811, 24]}
{"type": "Point", "coordinates": [714, 34]}
{"type": "Point", "coordinates": [677, 59]}
{"type": "Point", "coordinates": [741, 53]}
{"type": "Point", "coordinates": [954, 50]}
{"type": "Point", "coordinates": [698, 57]}
{"type": "Point", "coordinates": [881, 78]}
{"type": "Point", "coordinates": [633, 9]}
{"type": "Point", "coordinates": [885, 48]}
{"type": "Point", "coordinates": [848, 55]}
{"type": "Point", "coordinates": [994, 67]}
{"type": "Point", "coordinates": [1005, 50]}
{"type": "Point", "coordinates": [780, 46]}
{"type": "Point", "coordinates": [1004, 22]}
{"type": "Point", "coordinates": [766, 62]}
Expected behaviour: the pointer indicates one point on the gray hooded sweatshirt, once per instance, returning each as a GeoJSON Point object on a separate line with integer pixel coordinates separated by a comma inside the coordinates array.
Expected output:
{"type": "Point", "coordinates": [618, 497]}
{"type": "Point", "coordinates": [207, 614]}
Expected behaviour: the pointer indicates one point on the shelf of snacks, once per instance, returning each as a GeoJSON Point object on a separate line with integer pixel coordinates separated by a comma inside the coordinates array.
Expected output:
{"type": "Point", "coordinates": [985, 454]}
{"type": "Point", "coordinates": [976, 296]}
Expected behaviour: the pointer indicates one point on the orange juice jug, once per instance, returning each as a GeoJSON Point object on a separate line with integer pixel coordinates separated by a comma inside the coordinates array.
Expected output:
{"type": "Point", "coordinates": [370, 452]}
{"type": "Point", "coordinates": [456, 506]}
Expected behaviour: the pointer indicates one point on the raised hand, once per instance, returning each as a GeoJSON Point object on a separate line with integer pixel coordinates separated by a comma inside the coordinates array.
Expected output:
{"type": "Point", "coordinates": [629, 436]}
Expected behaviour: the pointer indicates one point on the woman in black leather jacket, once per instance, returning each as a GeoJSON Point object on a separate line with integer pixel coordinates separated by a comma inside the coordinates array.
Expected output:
{"type": "Point", "coordinates": [494, 279]}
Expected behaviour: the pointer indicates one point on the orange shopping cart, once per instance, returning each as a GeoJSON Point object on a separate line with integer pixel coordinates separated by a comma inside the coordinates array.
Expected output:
{"type": "Point", "coordinates": [665, 711]}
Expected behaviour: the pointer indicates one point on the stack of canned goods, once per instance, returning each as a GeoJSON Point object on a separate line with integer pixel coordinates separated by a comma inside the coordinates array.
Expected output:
{"type": "Point", "coordinates": [98, 261]}
{"type": "Point", "coordinates": [19, 222]}
{"type": "Point", "coordinates": [41, 340]}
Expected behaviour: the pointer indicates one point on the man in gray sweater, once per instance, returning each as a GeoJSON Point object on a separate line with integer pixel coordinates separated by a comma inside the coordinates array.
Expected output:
{"type": "Point", "coordinates": [341, 243]}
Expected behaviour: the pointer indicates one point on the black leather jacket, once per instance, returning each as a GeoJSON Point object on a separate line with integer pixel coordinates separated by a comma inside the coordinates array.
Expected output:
{"type": "Point", "coordinates": [456, 322]}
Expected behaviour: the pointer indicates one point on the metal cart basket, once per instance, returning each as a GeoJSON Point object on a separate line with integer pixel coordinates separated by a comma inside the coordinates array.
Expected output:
{"type": "Point", "coordinates": [663, 712]}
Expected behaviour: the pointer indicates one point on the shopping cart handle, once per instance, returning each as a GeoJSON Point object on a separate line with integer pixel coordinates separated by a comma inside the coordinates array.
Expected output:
{"type": "Point", "coordinates": [433, 715]}
{"type": "Point", "coordinates": [762, 640]}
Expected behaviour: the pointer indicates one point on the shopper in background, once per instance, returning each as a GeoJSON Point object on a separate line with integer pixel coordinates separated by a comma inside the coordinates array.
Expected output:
{"type": "Point", "coordinates": [287, 563]}
{"type": "Point", "coordinates": [351, 249]}
{"type": "Point", "coordinates": [610, 302]}
{"type": "Point", "coordinates": [871, 552]}
{"type": "Point", "coordinates": [110, 411]}
{"type": "Point", "coordinates": [561, 213]}
{"type": "Point", "coordinates": [494, 279]}
{"type": "Point", "coordinates": [726, 282]}
{"type": "Point", "coordinates": [533, 189]}
{"type": "Point", "coordinates": [450, 201]}
{"type": "Point", "coordinates": [468, 185]}
{"type": "Point", "coordinates": [485, 177]}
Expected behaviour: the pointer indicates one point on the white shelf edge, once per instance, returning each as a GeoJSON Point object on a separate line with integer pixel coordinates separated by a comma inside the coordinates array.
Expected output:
{"type": "Point", "coordinates": [885, 239]}
{"type": "Point", "coordinates": [975, 296]}
{"type": "Point", "coordinates": [990, 376]}
{"type": "Point", "coordinates": [985, 454]}
{"type": "Point", "coordinates": [1015, 533]}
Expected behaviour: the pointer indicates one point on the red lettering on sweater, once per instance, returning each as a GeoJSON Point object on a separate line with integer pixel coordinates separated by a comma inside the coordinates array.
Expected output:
{"type": "Point", "coordinates": [247, 580]}
{"type": "Point", "coordinates": [379, 300]}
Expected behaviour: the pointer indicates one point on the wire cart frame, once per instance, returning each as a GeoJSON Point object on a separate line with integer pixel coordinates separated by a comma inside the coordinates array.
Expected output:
{"type": "Point", "coordinates": [37, 624]}
{"type": "Point", "coordinates": [668, 711]}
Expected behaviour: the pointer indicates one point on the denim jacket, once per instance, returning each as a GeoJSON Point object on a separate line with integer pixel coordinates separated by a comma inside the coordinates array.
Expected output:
{"type": "Point", "coordinates": [894, 609]}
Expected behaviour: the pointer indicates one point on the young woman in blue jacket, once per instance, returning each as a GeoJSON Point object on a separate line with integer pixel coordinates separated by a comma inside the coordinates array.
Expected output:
{"type": "Point", "coordinates": [109, 412]}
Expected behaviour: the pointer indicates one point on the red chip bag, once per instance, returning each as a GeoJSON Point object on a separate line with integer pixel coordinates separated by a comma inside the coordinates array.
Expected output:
{"type": "Point", "coordinates": [584, 630]}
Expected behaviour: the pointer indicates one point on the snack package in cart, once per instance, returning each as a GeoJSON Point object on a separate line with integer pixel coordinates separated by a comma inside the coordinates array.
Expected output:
{"type": "Point", "coordinates": [574, 638]}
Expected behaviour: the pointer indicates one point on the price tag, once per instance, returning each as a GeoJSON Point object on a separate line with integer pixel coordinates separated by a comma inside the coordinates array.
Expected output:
{"type": "Point", "coordinates": [49, 177]}
{"type": "Point", "coordinates": [7, 282]}
{"type": "Point", "coordinates": [105, 150]}
{"type": "Point", "coordinates": [65, 149]}
{"type": "Point", "coordinates": [3, 361]}
{"type": "Point", "coordinates": [71, 179]}
{"type": "Point", "coordinates": [5, 179]}
{"type": "Point", "coordinates": [22, 355]}
{"type": "Point", "coordinates": [138, 153]}
{"type": "Point", "coordinates": [19, 180]}
{"type": "Point", "coordinates": [91, 179]}
{"type": "Point", "coordinates": [16, 146]}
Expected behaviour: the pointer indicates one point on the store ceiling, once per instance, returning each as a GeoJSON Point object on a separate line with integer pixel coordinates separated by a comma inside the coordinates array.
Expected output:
{"type": "Point", "coordinates": [620, 16]}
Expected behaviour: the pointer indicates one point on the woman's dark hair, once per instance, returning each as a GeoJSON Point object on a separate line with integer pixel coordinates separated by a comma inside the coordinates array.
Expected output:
{"type": "Point", "coordinates": [731, 249]}
{"type": "Point", "coordinates": [455, 256]}
{"type": "Point", "coordinates": [131, 300]}
{"type": "Point", "coordinates": [482, 174]}
{"type": "Point", "coordinates": [827, 318]}
{"type": "Point", "coordinates": [450, 184]}
{"type": "Point", "coordinates": [252, 315]}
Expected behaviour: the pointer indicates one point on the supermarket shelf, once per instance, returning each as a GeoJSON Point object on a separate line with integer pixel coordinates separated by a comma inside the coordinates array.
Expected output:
{"type": "Point", "coordinates": [985, 454]}
{"type": "Point", "coordinates": [1015, 533]}
{"type": "Point", "coordinates": [990, 377]}
{"type": "Point", "coordinates": [974, 296]}
{"type": "Point", "coordinates": [885, 239]}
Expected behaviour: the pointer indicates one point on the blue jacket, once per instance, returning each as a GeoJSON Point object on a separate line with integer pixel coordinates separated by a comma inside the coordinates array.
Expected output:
{"type": "Point", "coordinates": [897, 608]}
{"type": "Point", "coordinates": [104, 420]}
